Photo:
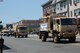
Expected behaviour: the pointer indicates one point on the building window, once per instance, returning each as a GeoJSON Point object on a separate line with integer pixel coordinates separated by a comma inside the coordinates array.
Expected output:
{"type": "Point", "coordinates": [77, 12]}
{"type": "Point", "coordinates": [76, 1]}
{"type": "Point", "coordinates": [70, 2]}
{"type": "Point", "coordinates": [74, 14]}
{"type": "Point", "coordinates": [71, 13]}
{"type": "Point", "coordinates": [61, 8]}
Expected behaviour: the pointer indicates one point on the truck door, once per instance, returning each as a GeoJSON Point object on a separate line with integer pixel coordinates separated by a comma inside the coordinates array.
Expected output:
{"type": "Point", "coordinates": [57, 24]}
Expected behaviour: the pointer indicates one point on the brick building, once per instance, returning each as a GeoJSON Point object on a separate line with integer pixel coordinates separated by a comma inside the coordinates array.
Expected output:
{"type": "Point", "coordinates": [32, 24]}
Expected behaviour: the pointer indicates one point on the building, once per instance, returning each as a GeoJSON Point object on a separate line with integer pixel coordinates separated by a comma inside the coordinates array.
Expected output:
{"type": "Point", "coordinates": [31, 24]}
{"type": "Point", "coordinates": [68, 8]}
{"type": "Point", "coordinates": [47, 7]}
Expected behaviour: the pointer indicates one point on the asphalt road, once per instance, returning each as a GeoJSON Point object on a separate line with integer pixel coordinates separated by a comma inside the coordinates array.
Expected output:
{"type": "Point", "coordinates": [34, 45]}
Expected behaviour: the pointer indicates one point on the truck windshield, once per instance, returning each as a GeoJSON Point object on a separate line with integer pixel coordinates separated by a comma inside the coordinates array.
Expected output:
{"type": "Point", "coordinates": [68, 21]}
{"type": "Point", "coordinates": [23, 28]}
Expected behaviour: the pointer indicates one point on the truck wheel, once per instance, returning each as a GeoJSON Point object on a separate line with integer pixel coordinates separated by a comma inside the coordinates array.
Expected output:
{"type": "Point", "coordinates": [22, 36]}
{"type": "Point", "coordinates": [18, 36]}
{"type": "Point", "coordinates": [72, 39]}
{"type": "Point", "coordinates": [40, 37]}
{"type": "Point", "coordinates": [15, 36]}
{"type": "Point", "coordinates": [56, 39]}
{"type": "Point", "coordinates": [26, 36]}
{"type": "Point", "coordinates": [43, 38]}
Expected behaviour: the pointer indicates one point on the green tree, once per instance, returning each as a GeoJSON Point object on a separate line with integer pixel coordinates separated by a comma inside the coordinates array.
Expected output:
{"type": "Point", "coordinates": [29, 29]}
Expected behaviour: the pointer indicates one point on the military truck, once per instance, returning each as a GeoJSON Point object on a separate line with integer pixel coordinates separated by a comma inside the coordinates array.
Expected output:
{"type": "Point", "coordinates": [20, 31]}
{"type": "Point", "coordinates": [58, 27]}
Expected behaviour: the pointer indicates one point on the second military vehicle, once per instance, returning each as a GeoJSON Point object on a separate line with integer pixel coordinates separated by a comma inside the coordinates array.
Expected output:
{"type": "Point", "coordinates": [20, 31]}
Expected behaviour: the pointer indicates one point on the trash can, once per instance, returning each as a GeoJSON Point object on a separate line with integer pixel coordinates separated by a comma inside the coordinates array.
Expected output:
{"type": "Point", "coordinates": [1, 44]}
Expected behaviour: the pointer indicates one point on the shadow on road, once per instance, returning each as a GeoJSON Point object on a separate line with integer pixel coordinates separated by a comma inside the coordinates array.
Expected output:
{"type": "Point", "coordinates": [6, 47]}
{"type": "Point", "coordinates": [63, 41]}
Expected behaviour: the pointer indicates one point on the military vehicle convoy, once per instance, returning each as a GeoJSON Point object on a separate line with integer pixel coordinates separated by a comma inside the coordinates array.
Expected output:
{"type": "Point", "coordinates": [20, 31]}
{"type": "Point", "coordinates": [58, 27]}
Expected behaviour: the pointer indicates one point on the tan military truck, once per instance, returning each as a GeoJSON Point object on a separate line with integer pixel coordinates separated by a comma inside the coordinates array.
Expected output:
{"type": "Point", "coordinates": [58, 28]}
{"type": "Point", "coordinates": [20, 31]}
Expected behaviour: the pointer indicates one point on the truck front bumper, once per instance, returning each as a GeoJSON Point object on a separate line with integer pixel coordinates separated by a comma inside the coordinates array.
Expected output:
{"type": "Point", "coordinates": [68, 35]}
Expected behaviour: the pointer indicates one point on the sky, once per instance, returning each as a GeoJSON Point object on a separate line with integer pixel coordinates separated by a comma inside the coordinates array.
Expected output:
{"type": "Point", "coordinates": [12, 11]}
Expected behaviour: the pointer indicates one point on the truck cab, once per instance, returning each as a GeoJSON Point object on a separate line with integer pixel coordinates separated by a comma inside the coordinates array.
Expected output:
{"type": "Point", "coordinates": [21, 31]}
{"type": "Point", "coordinates": [64, 28]}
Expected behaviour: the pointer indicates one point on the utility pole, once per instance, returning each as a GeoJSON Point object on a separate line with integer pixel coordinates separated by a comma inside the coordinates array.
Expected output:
{"type": "Point", "coordinates": [68, 7]}
{"type": "Point", "coordinates": [1, 39]}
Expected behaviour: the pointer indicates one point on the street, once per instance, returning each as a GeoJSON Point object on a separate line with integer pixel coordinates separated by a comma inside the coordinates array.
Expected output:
{"type": "Point", "coordinates": [34, 45]}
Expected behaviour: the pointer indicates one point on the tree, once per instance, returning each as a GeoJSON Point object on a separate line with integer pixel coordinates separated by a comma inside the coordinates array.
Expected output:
{"type": "Point", "coordinates": [29, 29]}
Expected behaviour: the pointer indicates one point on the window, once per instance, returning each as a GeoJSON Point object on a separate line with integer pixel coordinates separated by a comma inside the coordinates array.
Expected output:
{"type": "Point", "coordinates": [64, 6]}
{"type": "Point", "coordinates": [70, 2]}
{"type": "Point", "coordinates": [76, 1]}
{"type": "Point", "coordinates": [68, 21]}
{"type": "Point", "coordinates": [71, 13]}
{"type": "Point", "coordinates": [74, 14]}
{"type": "Point", "coordinates": [77, 12]}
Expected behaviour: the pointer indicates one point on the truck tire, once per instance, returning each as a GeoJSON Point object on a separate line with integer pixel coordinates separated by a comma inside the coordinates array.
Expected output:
{"type": "Point", "coordinates": [72, 39]}
{"type": "Point", "coordinates": [26, 36]}
{"type": "Point", "coordinates": [22, 36]}
{"type": "Point", "coordinates": [40, 37]}
{"type": "Point", "coordinates": [56, 39]}
{"type": "Point", "coordinates": [43, 39]}
{"type": "Point", "coordinates": [18, 36]}
{"type": "Point", "coordinates": [15, 36]}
